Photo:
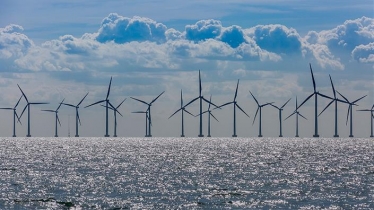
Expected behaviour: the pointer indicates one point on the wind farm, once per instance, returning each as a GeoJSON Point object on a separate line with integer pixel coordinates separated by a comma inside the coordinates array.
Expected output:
{"type": "Point", "coordinates": [183, 109]}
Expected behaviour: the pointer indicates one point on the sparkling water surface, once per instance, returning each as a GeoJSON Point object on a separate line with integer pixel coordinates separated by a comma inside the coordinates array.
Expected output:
{"type": "Point", "coordinates": [186, 173]}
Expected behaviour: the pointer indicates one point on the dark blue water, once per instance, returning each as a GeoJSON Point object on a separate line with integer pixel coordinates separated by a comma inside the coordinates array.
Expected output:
{"type": "Point", "coordinates": [186, 173]}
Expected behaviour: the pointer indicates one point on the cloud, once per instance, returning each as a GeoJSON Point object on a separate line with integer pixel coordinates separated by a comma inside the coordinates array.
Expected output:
{"type": "Point", "coordinates": [203, 30]}
{"type": "Point", "coordinates": [12, 42]}
{"type": "Point", "coordinates": [364, 53]}
{"type": "Point", "coordinates": [122, 29]}
{"type": "Point", "coordinates": [276, 38]}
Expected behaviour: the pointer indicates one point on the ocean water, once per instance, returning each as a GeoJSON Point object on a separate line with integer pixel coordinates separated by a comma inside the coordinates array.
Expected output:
{"type": "Point", "coordinates": [186, 173]}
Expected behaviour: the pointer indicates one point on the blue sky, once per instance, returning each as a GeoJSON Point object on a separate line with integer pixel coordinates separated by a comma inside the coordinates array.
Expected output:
{"type": "Point", "coordinates": [64, 49]}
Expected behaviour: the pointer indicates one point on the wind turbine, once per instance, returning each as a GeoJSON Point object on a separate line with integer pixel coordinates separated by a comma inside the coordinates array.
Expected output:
{"type": "Point", "coordinates": [182, 109]}
{"type": "Point", "coordinates": [209, 114]}
{"type": "Point", "coordinates": [14, 116]}
{"type": "Point", "coordinates": [146, 120]}
{"type": "Point", "coordinates": [56, 114]}
{"type": "Point", "coordinates": [280, 116]}
{"type": "Point", "coordinates": [201, 106]}
{"type": "Point", "coordinates": [149, 112]}
{"type": "Point", "coordinates": [297, 119]}
{"type": "Point", "coordinates": [259, 107]}
{"type": "Point", "coordinates": [28, 105]}
{"type": "Point", "coordinates": [335, 99]}
{"type": "Point", "coordinates": [77, 119]}
{"type": "Point", "coordinates": [371, 118]}
{"type": "Point", "coordinates": [115, 110]}
{"type": "Point", "coordinates": [315, 93]}
{"type": "Point", "coordinates": [235, 103]}
{"type": "Point", "coordinates": [107, 104]}
{"type": "Point", "coordinates": [350, 111]}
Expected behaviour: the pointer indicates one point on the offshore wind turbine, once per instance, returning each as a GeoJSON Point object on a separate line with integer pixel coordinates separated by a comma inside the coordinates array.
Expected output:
{"type": "Point", "coordinates": [77, 119]}
{"type": "Point", "coordinates": [115, 110]}
{"type": "Point", "coordinates": [350, 111]}
{"type": "Point", "coordinates": [146, 120]}
{"type": "Point", "coordinates": [56, 114]}
{"type": "Point", "coordinates": [149, 111]}
{"type": "Point", "coordinates": [280, 116]}
{"type": "Point", "coordinates": [182, 109]}
{"type": "Point", "coordinates": [235, 103]}
{"type": "Point", "coordinates": [107, 104]}
{"type": "Point", "coordinates": [14, 116]}
{"type": "Point", "coordinates": [297, 119]}
{"type": "Point", "coordinates": [315, 94]}
{"type": "Point", "coordinates": [201, 106]}
{"type": "Point", "coordinates": [209, 114]}
{"type": "Point", "coordinates": [259, 107]}
{"type": "Point", "coordinates": [335, 99]}
{"type": "Point", "coordinates": [371, 118]}
{"type": "Point", "coordinates": [28, 105]}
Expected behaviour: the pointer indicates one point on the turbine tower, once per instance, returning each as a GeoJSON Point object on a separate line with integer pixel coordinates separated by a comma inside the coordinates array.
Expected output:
{"type": "Point", "coordinates": [371, 118]}
{"type": "Point", "coordinates": [209, 114]}
{"type": "Point", "coordinates": [335, 99]}
{"type": "Point", "coordinates": [350, 111]}
{"type": "Point", "coordinates": [56, 114]}
{"type": "Point", "coordinates": [182, 109]}
{"type": "Point", "coordinates": [149, 112]}
{"type": "Point", "coordinates": [259, 107]}
{"type": "Point", "coordinates": [297, 119]}
{"type": "Point", "coordinates": [280, 116]}
{"type": "Point", "coordinates": [235, 103]}
{"type": "Point", "coordinates": [201, 106]}
{"type": "Point", "coordinates": [14, 116]}
{"type": "Point", "coordinates": [315, 93]}
{"type": "Point", "coordinates": [28, 105]}
{"type": "Point", "coordinates": [77, 119]}
{"type": "Point", "coordinates": [115, 110]}
{"type": "Point", "coordinates": [107, 104]}
{"type": "Point", "coordinates": [146, 120]}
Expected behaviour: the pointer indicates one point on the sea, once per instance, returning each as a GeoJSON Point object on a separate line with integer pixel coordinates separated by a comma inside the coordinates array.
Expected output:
{"type": "Point", "coordinates": [187, 173]}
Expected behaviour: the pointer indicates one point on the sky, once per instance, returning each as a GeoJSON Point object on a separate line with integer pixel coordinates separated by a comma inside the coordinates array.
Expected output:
{"type": "Point", "coordinates": [64, 49]}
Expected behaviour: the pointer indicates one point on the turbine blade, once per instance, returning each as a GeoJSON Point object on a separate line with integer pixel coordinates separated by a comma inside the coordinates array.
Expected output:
{"type": "Point", "coordinates": [202, 113]}
{"type": "Point", "coordinates": [346, 123]}
{"type": "Point", "coordinates": [113, 108]}
{"type": "Point", "coordinates": [302, 116]}
{"type": "Point", "coordinates": [224, 105]}
{"type": "Point", "coordinates": [326, 107]}
{"type": "Point", "coordinates": [314, 82]}
{"type": "Point", "coordinates": [290, 115]}
{"type": "Point", "coordinates": [140, 100]}
{"type": "Point", "coordinates": [255, 115]}
{"type": "Point", "coordinates": [110, 84]}
{"type": "Point", "coordinates": [213, 116]}
{"type": "Point", "coordinates": [296, 102]}
{"type": "Point", "coordinates": [236, 91]}
{"type": "Point", "coordinates": [325, 96]}
{"type": "Point", "coordinates": [191, 101]}
{"type": "Point", "coordinates": [95, 103]}
{"type": "Point", "coordinates": [47, 110]}
{"type": "Point", "coordinates": [364, 110]}
{"type": "Point", "coordinates": [157, 97]}
{"type": "Point", "coordinates": [121, 103]}
{"type": "Point", "coordinates": [23, 110]}
{"type": "Point", "coordinates": [285, 103]}
{"type": "Point", "coordinates": [305, 101]}
{"type": "Point", "coordinates": [333, 89]}
{"type": "Point", "coordinates": [237, 105]}
{"type": "Point", "coordinates": [209, 102]}
{"type": "Point", "coordinates": [275, 106]}
{"type": "Point", "coordinates": [23, 93]}
{"type": "Point", "coordinates": [18, 118]}
{"type": "Point", "coordinates": [18, 102]}
{"type": "Point", "coordinates": [60, 105]}
{"type": "Point", "coordinates": [199, 83]}
{"type": "Point", "coordinates": [7, 108]}
{"type": "Point", "coordinates": [343, 96]}
{"type": "Point", "coordinates": [254, 98]}
{"type": "Point", "coordinates": [267, 104]}
{"type": "Point", "coordinates": [79, 119]}
{"type": "Point", "coordinates": [188, 112]}
{"type": "Point", "coordinates": [358, 99]}
{"type": "Point", "coordinates": [181, 99]}
{"type": "Point", "coordinates": [342, 101]}
{"type": "Point", "coordinates": [109, 107]}
{"type": "Point", "coordinates": [139, 112]}
{"type": "Point", "coordinates": [58, 119]}
{"type": "Point", "coordinates": [36, 103]}
{"type": "Point", "coordinates": [82, 99]}
{"type": "Point", "coordinates": [175, 113]}
{"type": "Point", "coordinates": [68, 104]}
